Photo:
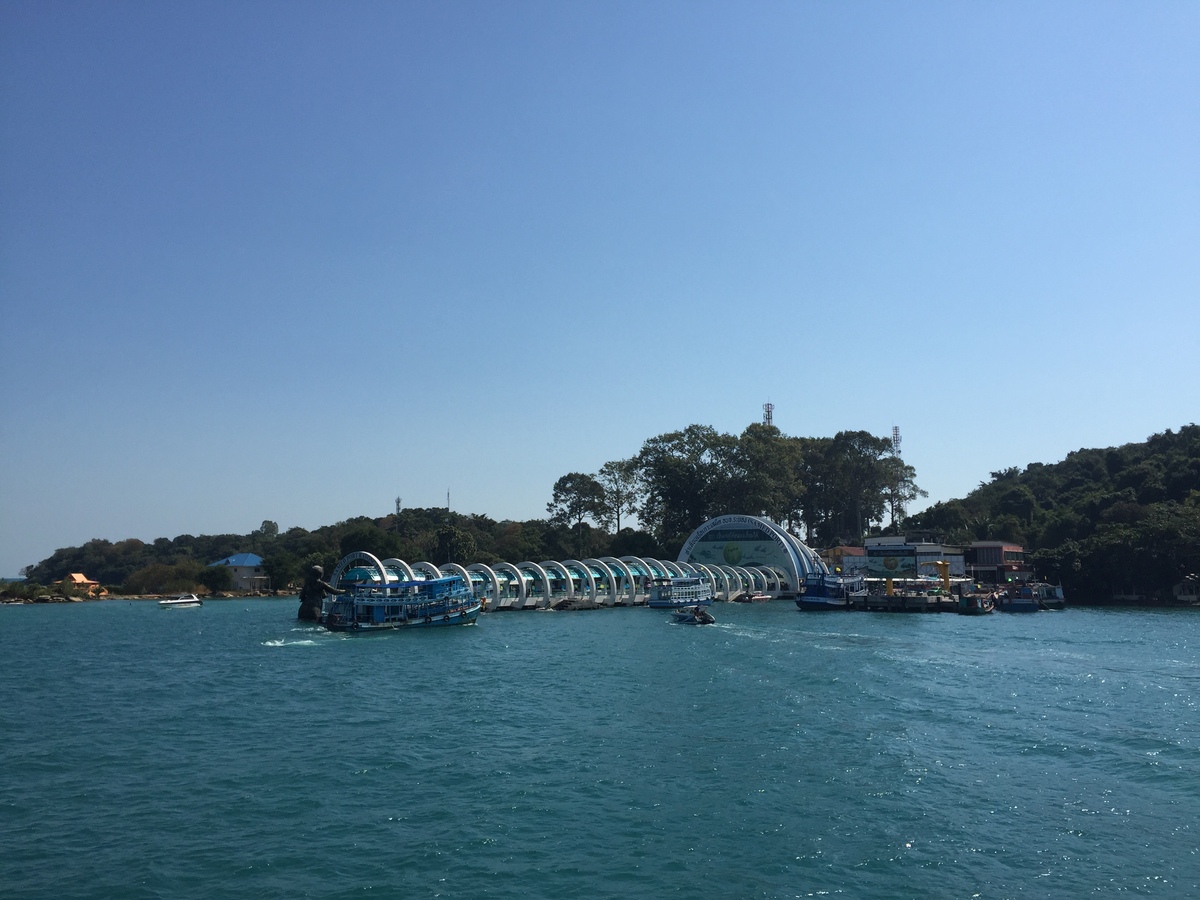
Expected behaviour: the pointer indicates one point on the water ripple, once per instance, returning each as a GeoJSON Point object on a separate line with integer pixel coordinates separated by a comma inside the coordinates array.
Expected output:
{"type": "Point", "coordinates": [597, 754]}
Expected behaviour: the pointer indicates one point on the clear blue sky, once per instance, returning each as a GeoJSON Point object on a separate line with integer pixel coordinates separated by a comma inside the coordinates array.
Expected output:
{"type": "Point", "coordinates": [288, 261]}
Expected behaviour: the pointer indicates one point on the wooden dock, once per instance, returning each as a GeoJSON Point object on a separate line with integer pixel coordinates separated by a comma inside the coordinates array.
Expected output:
{"type": "Point", "coordinates": [912, 603]}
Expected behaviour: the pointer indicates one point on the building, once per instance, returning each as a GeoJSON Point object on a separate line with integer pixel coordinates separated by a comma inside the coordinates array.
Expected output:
{"type": "Point", "coordinates": [77, 581]}
{"type": "Point", "coordinates": [911, 555]}
{"type": "Point", "coordinates": [247, 571]}
{"type": "Point", "coordinates": [753, 548]}
{"type": "Point", "coordinates": [997, 562]}
{"type": "Point", "coordinates": [846, 560]}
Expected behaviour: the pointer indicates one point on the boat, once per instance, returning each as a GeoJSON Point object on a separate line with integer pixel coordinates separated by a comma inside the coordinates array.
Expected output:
{"type": "Point", "coordinates": [380, 598]}
{"type": "Point", "coordinates": [679, 592]}
{"type": "Point", "coordinates": [822, 591]}
{"type": "Point", "coordinates": [1033, 596]}
{"type": "Point", "coordinates": [756, 597]}
{"type": "Point", "coordinates": [1050, 596]}
{"type": "Point", "coordinates": [181, 601]}
{"type": "Point", "coordinates": [976, 604]}
{"type": "Point", "coordinates": [1017, 600]}
{"type": "Point", "coordinates": [697, 615]}
{"type": "Point", "coordinates": [1187, 592]}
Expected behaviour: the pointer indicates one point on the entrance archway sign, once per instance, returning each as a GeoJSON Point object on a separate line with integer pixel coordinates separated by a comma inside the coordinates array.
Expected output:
{"type": "Point", "coordinates": [739, 542]}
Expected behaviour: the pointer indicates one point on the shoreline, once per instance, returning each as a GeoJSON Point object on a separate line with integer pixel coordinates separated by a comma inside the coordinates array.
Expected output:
{"type": "Point", "coordinates": [64, 598]}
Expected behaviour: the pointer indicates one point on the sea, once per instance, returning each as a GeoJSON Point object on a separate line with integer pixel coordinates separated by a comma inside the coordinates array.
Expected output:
{"type": "Point", "coordinates": [230, 751]}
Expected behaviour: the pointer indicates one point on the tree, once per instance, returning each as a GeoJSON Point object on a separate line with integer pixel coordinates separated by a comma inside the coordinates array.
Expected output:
{"type": "Point", "coordinates": [619, 480]}
{"type": "Point", "coordinates": [845, 480]}
{"type": "Point", "coordinates": [899, 487]}
{"type": "Point", "coordinates": [370, 539]}
{"type": "Point", "coordinates": [576, 497]}
{"type": "Point", "coordinates": [765, 477]}
{"type": "Point", "coordinates": [686, 479]}
{"type": "Point", "coordinates": [455, 545]}
{"type": "Point", "coordinates": [216, 578]}
{"type": "Point", "coordinates": [282, 569]}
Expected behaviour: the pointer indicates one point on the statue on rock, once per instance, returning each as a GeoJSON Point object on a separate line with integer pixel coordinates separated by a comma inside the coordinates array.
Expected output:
{"type": "Point", "coordinates": [314, 591]}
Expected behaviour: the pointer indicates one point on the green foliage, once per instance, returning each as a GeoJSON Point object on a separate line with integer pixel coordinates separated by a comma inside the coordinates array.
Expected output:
{"type": "Point", "coordinates": [686, 478]}
{"type": "Point", "coordinates": [576, 497]}
{"type": "Point", "coordinates": [455, 545]}
{"type": "Point", "coordinates": [1114, 521]}
{"type": "Point", "coordinates": [619, 484]}
{"type": "Point", "coordinates": [283, 569]}
{"type": "Point", "coordinates": [216, 578]}
{"type": "Point", "coordinates": [166, 578]}
{"type": "Point", "coordinates": [1101, 521]}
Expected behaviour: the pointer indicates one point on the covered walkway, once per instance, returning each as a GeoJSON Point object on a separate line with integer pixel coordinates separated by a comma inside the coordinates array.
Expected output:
{"type": "Point", "coordinates": [736, 554]}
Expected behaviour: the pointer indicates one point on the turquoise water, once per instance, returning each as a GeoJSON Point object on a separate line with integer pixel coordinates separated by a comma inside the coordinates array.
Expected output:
{"type": "Point", "coordinates": [229, 751]}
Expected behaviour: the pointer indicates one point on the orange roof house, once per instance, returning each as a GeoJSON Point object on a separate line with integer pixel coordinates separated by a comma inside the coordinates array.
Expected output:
{"type": "Point", "coordinates": [82, 582]}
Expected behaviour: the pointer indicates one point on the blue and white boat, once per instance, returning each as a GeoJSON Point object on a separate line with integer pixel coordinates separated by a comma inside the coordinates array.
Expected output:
{"type": "Point", "coordinates": [679, 592]}
{"type": "Point", "coordinates": [823, 591]}
{"type": "Point", "coordinates": [379, 598]}
{"type": "Point", "coordinates": [1032, 597]}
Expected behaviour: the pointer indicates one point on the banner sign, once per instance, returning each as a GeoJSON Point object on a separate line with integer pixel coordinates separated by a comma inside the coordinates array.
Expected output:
{"type": "Point", "coordinates": [892, 561]}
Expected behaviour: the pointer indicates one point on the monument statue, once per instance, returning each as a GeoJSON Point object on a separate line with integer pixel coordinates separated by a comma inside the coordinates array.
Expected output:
{"type": "Point", "coordinates": [312, 593]}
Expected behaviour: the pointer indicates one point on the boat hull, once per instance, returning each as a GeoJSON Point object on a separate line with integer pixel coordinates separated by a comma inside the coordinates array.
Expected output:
{"type": "Point", "coordinates": [752, 598]}
{"type": "Point", "coordinates": [446, 619]}
{"type": "Point", "coordinates": [678, 604]}
{"type": "Point", "coordinates": [983, 610]}
{"type": "Point", "coordinates": [691, 618]}
{"type": "Point", "coordinates": [181, 603]}
{"type": "Point", "coordinates": [822, 604]}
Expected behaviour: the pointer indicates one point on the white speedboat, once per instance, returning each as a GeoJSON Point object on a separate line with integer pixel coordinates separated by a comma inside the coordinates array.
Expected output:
{"type": "Point", "coordinates": [181, 601]}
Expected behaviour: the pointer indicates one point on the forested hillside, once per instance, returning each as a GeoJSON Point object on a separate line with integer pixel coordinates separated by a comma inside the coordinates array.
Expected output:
{"type": "Point", "coordinates": [1114, 521]}
{"type": "Point", "coordinates": [436, 535]}
{"type": "Point", "coordinates": [831, 490]}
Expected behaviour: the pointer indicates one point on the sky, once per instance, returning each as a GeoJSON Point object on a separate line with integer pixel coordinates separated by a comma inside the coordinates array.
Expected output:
{"type": "Point", "coordinates": [293, 260]}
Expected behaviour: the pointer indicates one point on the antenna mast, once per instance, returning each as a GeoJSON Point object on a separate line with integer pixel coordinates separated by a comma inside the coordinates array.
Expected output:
{"type": "Point", "coordinates": [896, 440]}
{"type": "Point", "coordinates": [768, 417]}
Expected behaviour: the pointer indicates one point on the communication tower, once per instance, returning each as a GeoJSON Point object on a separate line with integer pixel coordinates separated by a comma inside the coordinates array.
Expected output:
{"type": "Point", "coordinates": [397, 506]}
{"type": "Point", "coordinates": [768, 409]}
{"type": "Point", "coordinates": [896, 440]}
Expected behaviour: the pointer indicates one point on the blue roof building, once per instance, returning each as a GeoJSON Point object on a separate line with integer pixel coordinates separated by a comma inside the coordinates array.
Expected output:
{"type": "Point", "coordinates": [247, 571]}
{"type": "Point", "coordinates": [239, 560]}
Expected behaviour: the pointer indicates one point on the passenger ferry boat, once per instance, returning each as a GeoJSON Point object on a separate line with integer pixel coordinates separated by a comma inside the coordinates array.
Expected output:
{"type": "Point", "coordinates": [825, 592]}
{"type": "Point", "coordinates": [678, 592]}
{"type": "Point", "coordinates": [1031, 597]}
{"type": "Point", "coordinates": [377, 598]}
